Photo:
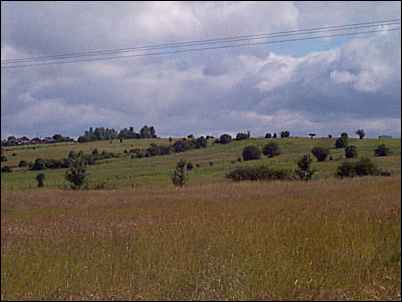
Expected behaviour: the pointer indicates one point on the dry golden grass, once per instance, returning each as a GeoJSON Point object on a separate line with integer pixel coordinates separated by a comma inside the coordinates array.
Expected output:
{"type": "Point", "coordinates": [328, 239]}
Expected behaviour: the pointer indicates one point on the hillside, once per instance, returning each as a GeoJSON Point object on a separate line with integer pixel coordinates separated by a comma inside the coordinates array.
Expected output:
{"type": "Point", "coordinates": [214, 161]}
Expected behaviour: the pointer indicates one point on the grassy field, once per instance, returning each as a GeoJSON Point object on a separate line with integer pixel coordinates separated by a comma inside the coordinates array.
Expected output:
{"type": "Point", "coordinates": [125, 172]}
{"type": "Point", "coordinates": [141, 238]}
{"type": "Point", "coordinates": [326, 239]}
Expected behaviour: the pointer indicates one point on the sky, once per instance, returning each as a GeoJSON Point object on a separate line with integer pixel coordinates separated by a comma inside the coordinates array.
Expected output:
{"type": "Point", "coordinates": [324, 86]}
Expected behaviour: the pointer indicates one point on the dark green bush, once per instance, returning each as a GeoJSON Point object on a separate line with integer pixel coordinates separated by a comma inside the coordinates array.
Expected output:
{"type": "Point", "coordinates": [320, 153]}
{"type": "Point", "coordinates": [39, 164]}
{"type": "Point", "coordinates": [362, 167]}
{"type": "Point", "coordinates": [251, 153]}
{"type": "Point", "coordinates": [22, 164]}
{"type": "Point", "coordinates": [189, 166]}
{"type": "Point", "coordinates": [268, 135]}
{"type": "Point", "coordinates": [304, 170]}
{"type": "Point", "coordinates": [382, 150]}
{"type": "Point", "coordinates": [77, 175]}
{"type": "Point", "coordinates": [179, 176]}
{"type": "Point", "coordinates": [3, 158]}
{"type": "Point", "coordinates": [40, 178]}
{"type": "Point", "coordinates": [341, 142]}
{"type": "Point", "coordinates": [271, 149]}
{"type": "Point", "coordinates": [350, 151]}
{"type": "Point", "coordinates": [6, 169]}
{"type": "Point", "coordinates": [225, 139]}
{"type": "Point", "coordinates": [259, 173]}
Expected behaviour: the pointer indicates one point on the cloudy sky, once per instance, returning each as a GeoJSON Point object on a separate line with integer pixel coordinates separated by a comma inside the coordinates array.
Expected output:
{"type": "Point", "coordinates": [323, 86]}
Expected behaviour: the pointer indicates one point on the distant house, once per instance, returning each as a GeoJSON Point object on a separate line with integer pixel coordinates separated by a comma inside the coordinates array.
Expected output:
{"type": "Point", "coordinates": [384, 136]}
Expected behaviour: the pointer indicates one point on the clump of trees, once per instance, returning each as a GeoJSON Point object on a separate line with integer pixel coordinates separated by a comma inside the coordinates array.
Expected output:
{"type": "Point", "coordinates": [102, 133]}
{"type": "Point", "coordinates": [179, 176]}
{"type": "Point", "coordinates": [320, 153]}
{"type": "Point", "coordinates": [285, 134]}
{"type": "Point", "coordinates": [350, 151]}
{"type": "Point", "coordinates": [382, 150]}
{"type": "Point", "coordinates": [271, 149]}
{"type": "Point", "coordinates": [268, 135]}
{"type": "Point", "coordinates": [251, 153]}
{"type": "Point", "coordinates": [304, 170]}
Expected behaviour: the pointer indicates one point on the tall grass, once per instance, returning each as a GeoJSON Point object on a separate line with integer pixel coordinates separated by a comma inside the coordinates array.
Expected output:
{"type": "Point", "coordinates": [280, 240]}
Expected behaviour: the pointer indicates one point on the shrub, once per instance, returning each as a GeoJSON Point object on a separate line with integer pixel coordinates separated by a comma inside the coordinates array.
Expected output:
{"type": "Point", "coordinates": [382, 150]}
{"type": "Point", "coordinates": [361, 133]}
{"type": "Point", "coordinates": [351, 151]}
{"type": "Point", "coordinates": [239, 159]}
{"type": "Point", "coordinates": [6, 169]}
{"type": "Point", "coordinates": [3, 158]}
{"type": "Point", "coordinates": [197, 165]}
{"type": "Point", "coordinates": [22, 164]}
{"type": "Point", "coordinates": [251, 153]}
{"type": "Point", "coordinates": [304, 170]}
{"type": "Point", "coordinates": [225, 139]}
{"type": "Point", "coordinates": [201, 142]}
{"type": "Point", "coordinates": [14, 154]}
{"type": "Point", "coordinates": [271, 149]}
{"type": "Point", "coordinates": [94, 152]}
{"type": "Point", "coordinates": [341, 142]}
{"type": "Point", "coordinates": [77, 175]}
{"type": "Point", "coordinates": [259, 173]}
{"type": "Point", "coordinates": [39, 164]}
{"type": "Point", "coordinates": [179, 177]}
{"type": "Point", "coordinates": [268, 135]}
{"type": "Point", "coordinates": [362, 167]}
{"type": "Point", "coordinates": [345, 135]}
{"type": "Point", "coordinates": [190, 166]}
{"type": "Point", "coordinates": [40, 178]}
{"type": "Point", "coordinates": [274, 136]}
{"type": "Point", "coordinates": [320, 153]}
{"type": "Point", "coordinates": [241, 136]}
{"type": "Point", "coordinates": [211, 163]}
{"type": "Point", "coordinates": [329, 136]}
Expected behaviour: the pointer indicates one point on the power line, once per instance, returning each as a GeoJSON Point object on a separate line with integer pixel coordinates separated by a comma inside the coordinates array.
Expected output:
{"type": "Point", "coordinates": [237, 38]}
{"type": "Point", "coordinates": [205, 48]}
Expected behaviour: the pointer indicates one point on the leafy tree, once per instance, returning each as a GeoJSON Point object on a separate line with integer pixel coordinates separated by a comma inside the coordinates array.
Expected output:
{"type": "Point", "coordinates": [350, 151]}
{"type": "Point", "coordinates": [344, 134]}
{"type": "Point", "coordinates": [312, 135]}
{"type": "Point", "coordinates": [268, 135]}
{"type": "Point", "coordinates": [179, 177]}
{"type": "Point", "coordinates": [320, 153]}
{"type": "Point", "coordinates": [251, 153]}
{"type": "Point", "coordinates": [274, 136]}
{"type": "Point", "coordinates": [77, 175]}
{"type": "Point", "coordinates": [382, 150]}
{"type": "Point", "coordinates": [40, 178]}
{"type": "Point", "coordinates": [225, 139]}
{"type": "Point", "coordinates": [304, 169]}
{"type": "Point", "coordinates": [361, 133]}
{"type": "Point", "coordinates": [271, 149]}
{"type": "Point", "coordinates": [329, 136]}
